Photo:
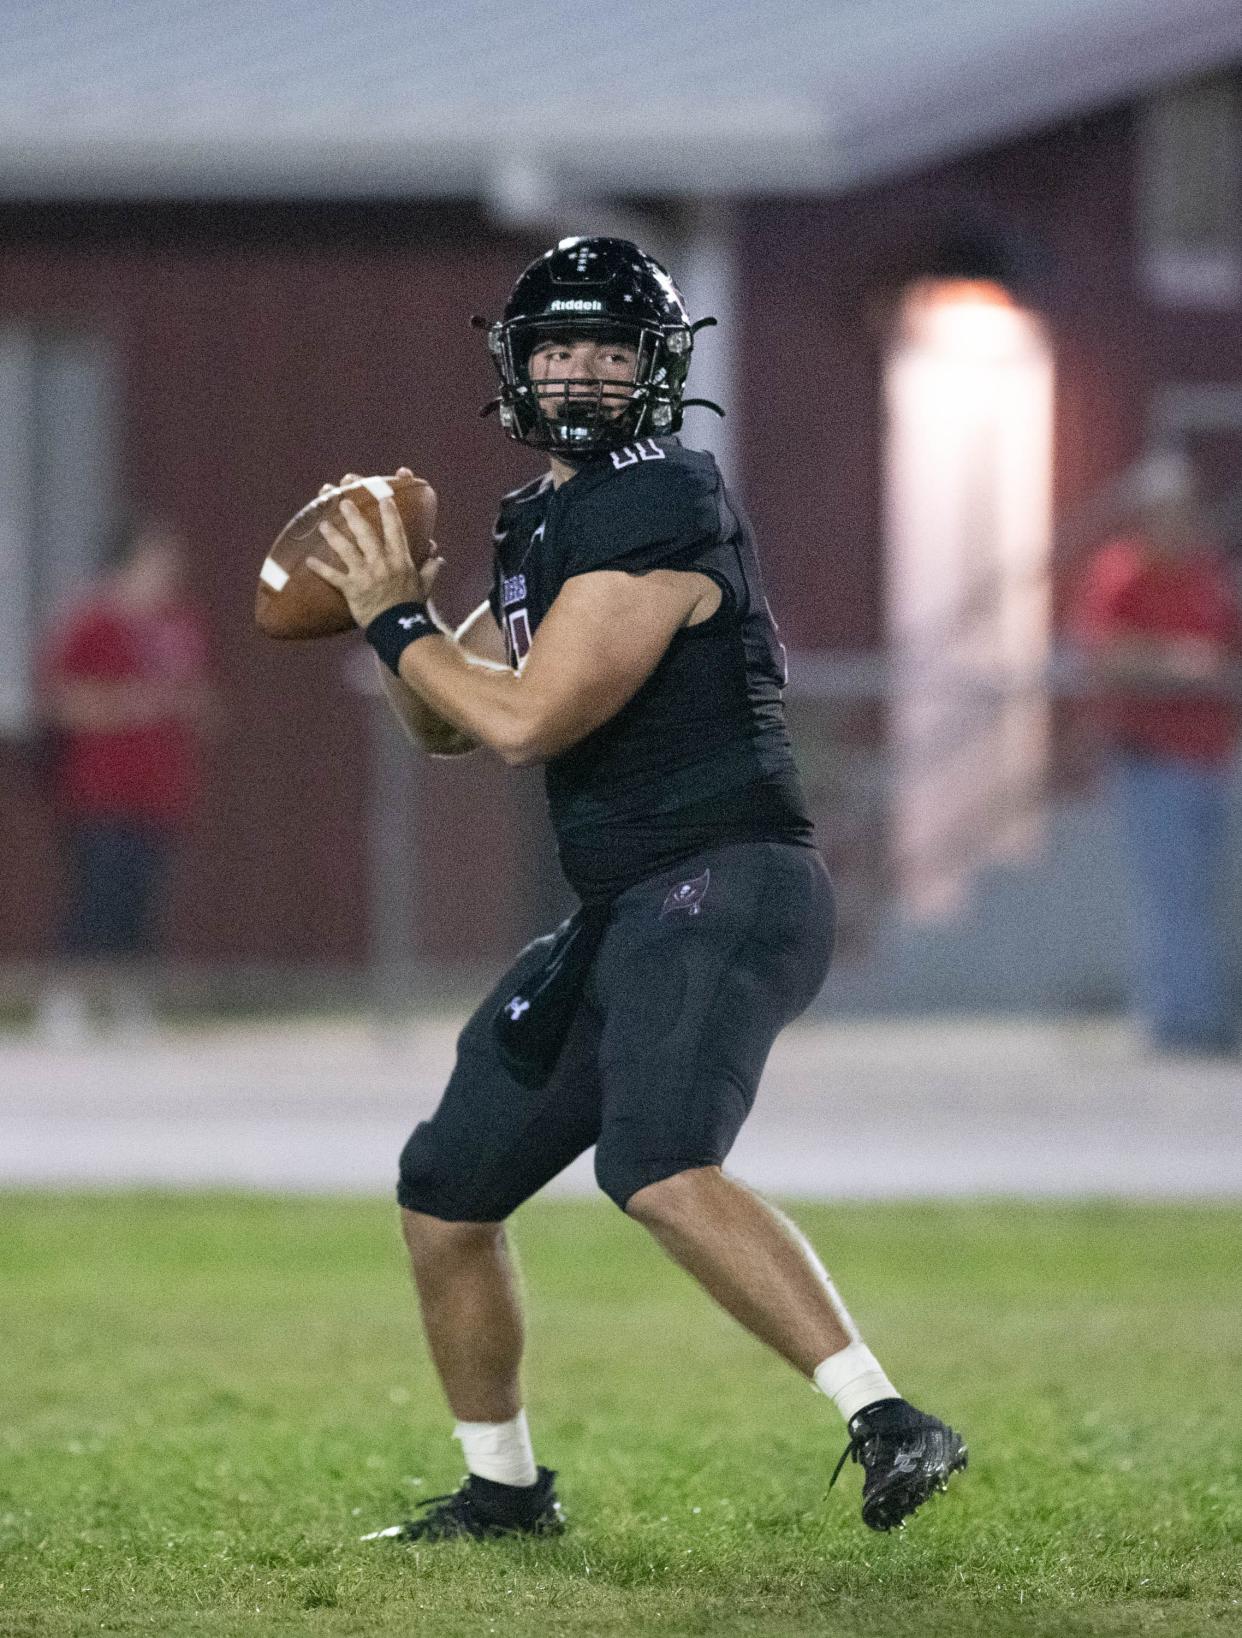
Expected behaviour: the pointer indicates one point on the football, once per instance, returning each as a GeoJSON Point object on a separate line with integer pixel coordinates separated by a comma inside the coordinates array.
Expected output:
{"type": "Point", "coordinates": [291, 600]}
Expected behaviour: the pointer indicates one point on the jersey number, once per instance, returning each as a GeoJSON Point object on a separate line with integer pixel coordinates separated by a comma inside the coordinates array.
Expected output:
{"type": "Point", "coordinates": [645, 450]}
{"type": "Point", "coordinates": [517, 624]}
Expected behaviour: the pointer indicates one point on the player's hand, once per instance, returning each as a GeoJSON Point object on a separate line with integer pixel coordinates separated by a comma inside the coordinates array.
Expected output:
{"type": "Point", "coordinates": [356, 477]}
{"type": "Point", "coordinates": [378, 570]}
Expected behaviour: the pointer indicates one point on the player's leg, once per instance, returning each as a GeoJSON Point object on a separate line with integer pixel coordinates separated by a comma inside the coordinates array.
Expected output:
{"type": "Point", "coordinates": [750, 958]}
{"type": "Point", "coordinates": [471, 1310]}
{"type": "Point", "coordinates": [762, 1270]}
{"type": "Point", "coordinates": [491, 1144]}
{"type": "Point", "coordinates": [693, 1003]}
{"type": "Point", "coordinates": [754, 1262]}
{"type": "Point", "coordinates": [697, 1002]}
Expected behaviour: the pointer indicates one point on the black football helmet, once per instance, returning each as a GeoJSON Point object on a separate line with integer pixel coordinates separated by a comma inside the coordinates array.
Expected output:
{"type": "Point", "coordinates": [610, 290]}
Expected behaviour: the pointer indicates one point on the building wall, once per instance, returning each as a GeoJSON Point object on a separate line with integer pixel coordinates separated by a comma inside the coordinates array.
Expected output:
{"type": "Point", "coordinates": [263, 353]}
{"type": "Point", "coordinates": [824, 278]}
{"type": "Point", "coordinates": [268, 348]}
{"type": "Point", "coordinates": [1055, 216]}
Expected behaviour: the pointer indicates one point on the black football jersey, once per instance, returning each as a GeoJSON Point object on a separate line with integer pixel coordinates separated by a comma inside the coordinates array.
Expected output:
{"type": "Point", "coordinates": [700, 755]}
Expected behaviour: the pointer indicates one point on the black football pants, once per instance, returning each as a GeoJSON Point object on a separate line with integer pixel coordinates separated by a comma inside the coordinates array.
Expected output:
{"type": "Point", "coordinates": [698, 970]}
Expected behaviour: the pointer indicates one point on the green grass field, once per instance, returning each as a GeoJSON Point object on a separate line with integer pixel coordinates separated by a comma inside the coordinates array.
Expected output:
{"type": "Point", "coordinates": [207, 1399]}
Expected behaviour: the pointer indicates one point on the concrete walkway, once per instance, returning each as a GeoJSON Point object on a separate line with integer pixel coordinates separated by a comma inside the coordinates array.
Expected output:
{"type": "Point", "coordinates": [855, 1108]}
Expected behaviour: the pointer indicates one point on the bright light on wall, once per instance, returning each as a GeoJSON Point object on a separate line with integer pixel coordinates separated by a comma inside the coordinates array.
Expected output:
{"type": "Point", "coordinates": [967, 321]}
{"type": "Point", "coordinates": [968, 479]}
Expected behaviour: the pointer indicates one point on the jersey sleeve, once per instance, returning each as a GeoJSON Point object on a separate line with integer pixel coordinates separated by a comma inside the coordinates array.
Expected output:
{"type": "Point", "coordinates": [652, 515]}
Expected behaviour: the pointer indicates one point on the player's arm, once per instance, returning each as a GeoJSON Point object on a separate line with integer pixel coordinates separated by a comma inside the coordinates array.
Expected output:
{"type": "Point", "coordinates": [423, 726]}
{"type": "Point", "coordinates": [483, 641]}
{"type": "Point", "coordinates": [599, 642]}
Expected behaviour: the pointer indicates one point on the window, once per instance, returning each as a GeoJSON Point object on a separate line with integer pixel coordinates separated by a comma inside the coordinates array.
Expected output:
{"type": "Point", "coordinates": [1190, 204]}
{"type": "Point", "coordinates": [58, 426]}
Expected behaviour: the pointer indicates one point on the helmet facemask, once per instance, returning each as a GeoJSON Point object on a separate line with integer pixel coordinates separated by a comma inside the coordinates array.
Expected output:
{"type": "Point", "coordinates": [579, 417]}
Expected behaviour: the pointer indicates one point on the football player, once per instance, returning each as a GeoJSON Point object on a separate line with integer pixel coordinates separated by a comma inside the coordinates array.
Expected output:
{"type": "Point", "coordinates": [627, 645]}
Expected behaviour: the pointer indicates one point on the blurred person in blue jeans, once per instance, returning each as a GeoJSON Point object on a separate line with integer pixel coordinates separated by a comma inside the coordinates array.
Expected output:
{"type": "Point", "coordinates": [125, 700]}
{"type": "Point", "coordinates": [1157, 614]}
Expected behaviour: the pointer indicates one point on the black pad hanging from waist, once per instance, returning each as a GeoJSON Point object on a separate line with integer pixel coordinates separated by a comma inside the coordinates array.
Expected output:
{"type": "Point", "coordinates": [531, 1025]}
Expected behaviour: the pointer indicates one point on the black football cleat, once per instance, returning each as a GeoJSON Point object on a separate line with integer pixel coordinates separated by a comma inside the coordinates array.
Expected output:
{"type": "Point", "coordinates": [905, 1455]}
{"type": "Point", "coordinates": [482, 1510]}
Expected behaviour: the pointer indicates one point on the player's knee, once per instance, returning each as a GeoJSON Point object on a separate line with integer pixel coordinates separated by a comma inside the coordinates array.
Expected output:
{"type": "Point", "coordinates": [672, 1199]}
{"type": "Point", "coordinates": [434, 1186]}
{"type": "Point", "coordinates": [435, 1239]}
{"type": "Point", "coordinates": [650, 1189]}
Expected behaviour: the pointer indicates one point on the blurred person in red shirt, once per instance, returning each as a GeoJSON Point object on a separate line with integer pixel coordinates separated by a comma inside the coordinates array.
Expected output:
{"type": "Point", "coordinates": [1157, 613]}
{"type": "Point", "coordinates": [126, 700]}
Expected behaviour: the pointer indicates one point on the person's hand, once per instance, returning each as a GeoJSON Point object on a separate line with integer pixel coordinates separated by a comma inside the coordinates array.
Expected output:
{"type": "Point", "coordinates": [356, 477]}
{"type": "Point", "coordinates": [378, 570]}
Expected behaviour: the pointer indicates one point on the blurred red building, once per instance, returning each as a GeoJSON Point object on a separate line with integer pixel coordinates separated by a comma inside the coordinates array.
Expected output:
{"type": "Point", "coordinates": [260, 348]}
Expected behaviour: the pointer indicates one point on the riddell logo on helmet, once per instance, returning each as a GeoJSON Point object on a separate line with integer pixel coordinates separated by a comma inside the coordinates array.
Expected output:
{"type": "Point", "coordinates": [578, 305]}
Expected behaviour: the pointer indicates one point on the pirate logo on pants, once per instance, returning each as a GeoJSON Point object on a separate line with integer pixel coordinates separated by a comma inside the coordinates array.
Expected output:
{"type": "Point", "coordinates": [687, 896]}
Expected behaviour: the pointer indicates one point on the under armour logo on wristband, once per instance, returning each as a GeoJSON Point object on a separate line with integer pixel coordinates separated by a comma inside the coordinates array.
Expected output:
{"type": "Point", "coordinates": [392, 632]}
{"type": "Point", "coordinates": [687, 896]}
{"type": "Point", "coordinates": [517, 1007]}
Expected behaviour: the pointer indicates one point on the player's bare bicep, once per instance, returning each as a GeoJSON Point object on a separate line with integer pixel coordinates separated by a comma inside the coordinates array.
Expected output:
{"type": "Point", "coordinates": [599, 642]}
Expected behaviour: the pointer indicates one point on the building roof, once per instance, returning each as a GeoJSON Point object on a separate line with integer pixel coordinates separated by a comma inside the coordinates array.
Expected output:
{"type": "Point", "coordinates": [516, 98]}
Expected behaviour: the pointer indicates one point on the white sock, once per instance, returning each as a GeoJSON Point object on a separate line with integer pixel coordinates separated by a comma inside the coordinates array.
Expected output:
{"type": "Point", "coordinates": [853, 1378]}
{"type": "Point", "coordinates": [500, 1451]}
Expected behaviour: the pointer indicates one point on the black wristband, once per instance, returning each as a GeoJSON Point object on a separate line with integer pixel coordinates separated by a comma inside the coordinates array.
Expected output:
{"type": "Point", "coordinates": [392, 632]}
